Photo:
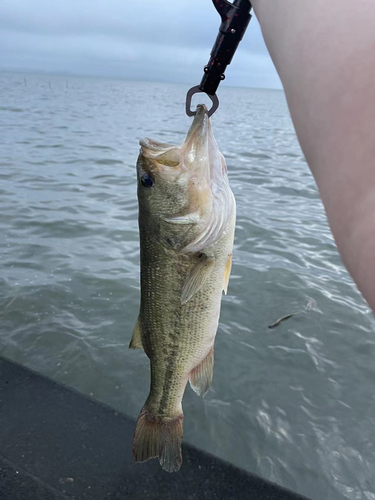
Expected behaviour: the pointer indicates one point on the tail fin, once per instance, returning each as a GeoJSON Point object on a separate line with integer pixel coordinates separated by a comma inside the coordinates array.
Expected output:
{"type": "Point", "coordinates": [158, 439]}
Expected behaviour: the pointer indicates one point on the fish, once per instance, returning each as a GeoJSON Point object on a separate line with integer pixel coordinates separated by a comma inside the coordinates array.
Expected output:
{"type": "Point", "coordinates": [187, 215]}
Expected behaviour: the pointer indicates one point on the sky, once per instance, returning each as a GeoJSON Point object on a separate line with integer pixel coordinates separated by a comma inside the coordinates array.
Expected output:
{"type": "Point", "coordinates": [155, 40]}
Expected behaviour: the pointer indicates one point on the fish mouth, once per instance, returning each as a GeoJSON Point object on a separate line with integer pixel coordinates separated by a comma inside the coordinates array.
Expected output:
{"type": "Point", "coordinates": [200, 153]}
{"type": "Point", "coordinates": [199, 127]}
{"type": "Point", "coordinates": [210, 195]}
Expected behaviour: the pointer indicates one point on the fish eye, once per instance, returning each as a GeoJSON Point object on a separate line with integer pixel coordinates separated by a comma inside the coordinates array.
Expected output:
{"type": "Point", "coordinates": [147, 180]}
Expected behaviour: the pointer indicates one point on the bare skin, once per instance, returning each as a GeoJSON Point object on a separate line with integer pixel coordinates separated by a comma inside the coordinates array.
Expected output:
{"type": "Point", "coordinates": [324, 52]}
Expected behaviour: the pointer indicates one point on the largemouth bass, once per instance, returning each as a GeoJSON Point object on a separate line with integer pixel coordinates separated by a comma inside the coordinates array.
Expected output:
{"type": "Point", "coordinates": [186, 223]}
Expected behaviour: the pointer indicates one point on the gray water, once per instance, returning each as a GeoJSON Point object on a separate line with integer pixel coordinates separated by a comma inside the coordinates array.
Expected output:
{"type": "Point", "coordinates": [295, 404]}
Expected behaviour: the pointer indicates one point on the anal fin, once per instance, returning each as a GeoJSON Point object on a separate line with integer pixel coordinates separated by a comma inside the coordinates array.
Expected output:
{"type": "Point", "coordinates": [136, 341]}
{"type": "Point", "coordinates": [201, 377]}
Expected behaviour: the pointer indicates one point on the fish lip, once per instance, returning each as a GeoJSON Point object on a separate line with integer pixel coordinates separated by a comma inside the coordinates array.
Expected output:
{"type": "Point", "coordinates": [200, 123]}
{"type": "Point", "coordinates": [200, 153]}
{"type": "Point", "coordinates": [196, 149]}
{"type": "Point", "coordinates": [201, 108]}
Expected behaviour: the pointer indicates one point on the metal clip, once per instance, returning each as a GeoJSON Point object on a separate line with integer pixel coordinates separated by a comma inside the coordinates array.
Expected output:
{"type": "Point", "coordinates": [196, 90]}
{"type": "Point", "coordinates": [235, 19]}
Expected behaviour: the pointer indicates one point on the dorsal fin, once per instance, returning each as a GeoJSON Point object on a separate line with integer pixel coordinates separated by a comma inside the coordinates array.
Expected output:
{"type": "Point", "coordinates": [227, 271]}
{"type": "Point", "coordinates": [136, 341]}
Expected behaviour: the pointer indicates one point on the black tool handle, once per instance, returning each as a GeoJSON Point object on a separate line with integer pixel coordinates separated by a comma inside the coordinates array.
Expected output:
{"type": "Point", "coordinates": [235, 20]}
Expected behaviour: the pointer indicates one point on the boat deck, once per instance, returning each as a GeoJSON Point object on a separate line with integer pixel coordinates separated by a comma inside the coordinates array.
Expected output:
{"type": "Point", "coordinates": [58, 444]}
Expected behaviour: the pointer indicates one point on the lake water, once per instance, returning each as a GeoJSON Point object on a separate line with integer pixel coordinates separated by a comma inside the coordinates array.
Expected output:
{"type": "Point", "coordinates": [294, 404]}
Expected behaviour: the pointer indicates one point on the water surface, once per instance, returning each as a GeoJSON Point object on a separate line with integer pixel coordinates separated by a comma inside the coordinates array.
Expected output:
{"type": "Point", "coordinates": [295, 404]}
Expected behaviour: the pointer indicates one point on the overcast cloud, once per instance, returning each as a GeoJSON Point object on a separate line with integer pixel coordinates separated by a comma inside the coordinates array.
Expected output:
{"type": "Point", "coordinates": [160, 40]}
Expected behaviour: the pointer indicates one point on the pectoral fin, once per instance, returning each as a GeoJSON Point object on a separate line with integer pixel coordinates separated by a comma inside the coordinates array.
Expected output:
{"type": "Point", "coordinates": [201, 377]}
{"type": "Point", "coordinates": [136, 341]}
{"type": "Point", "coordinates": [227, 271]}
{"type": "Point", "coordinates": [197, 278]}
{"type": "Point", "coordinates": [192, 218]}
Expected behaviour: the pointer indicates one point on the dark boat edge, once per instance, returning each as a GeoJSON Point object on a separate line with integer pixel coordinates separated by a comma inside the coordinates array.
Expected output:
{"type": "Point", "coordinates": [56, 443]}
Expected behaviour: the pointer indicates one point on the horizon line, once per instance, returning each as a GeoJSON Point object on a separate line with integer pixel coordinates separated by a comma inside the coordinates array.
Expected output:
{"type": "Point", "coordinates": [110, 77]}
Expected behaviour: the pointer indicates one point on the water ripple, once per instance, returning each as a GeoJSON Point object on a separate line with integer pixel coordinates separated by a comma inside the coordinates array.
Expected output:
{"type": "Point", "coordinates": [295, 404]}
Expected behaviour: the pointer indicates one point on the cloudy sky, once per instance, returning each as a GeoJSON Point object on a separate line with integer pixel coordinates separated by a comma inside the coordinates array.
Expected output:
{"type": "Point", "coordinates": [159, 40]}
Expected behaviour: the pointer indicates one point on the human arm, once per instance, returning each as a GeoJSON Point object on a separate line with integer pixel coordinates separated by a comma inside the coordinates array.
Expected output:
{"type": "Point", "coordinates": [324, 52]}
